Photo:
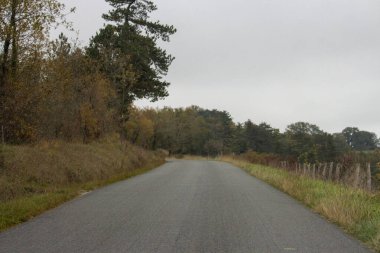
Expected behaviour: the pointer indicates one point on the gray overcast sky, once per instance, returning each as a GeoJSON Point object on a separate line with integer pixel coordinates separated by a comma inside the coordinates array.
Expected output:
{"type": "Point", "coordinates": [278, 61]}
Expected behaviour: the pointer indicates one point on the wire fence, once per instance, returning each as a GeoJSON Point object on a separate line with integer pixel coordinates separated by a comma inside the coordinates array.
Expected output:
{"type": "Point", "coordinates": [356, 175]}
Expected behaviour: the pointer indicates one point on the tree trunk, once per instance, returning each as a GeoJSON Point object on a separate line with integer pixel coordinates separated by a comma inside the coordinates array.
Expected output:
{"type": "Point", "coordinates": [14, 57]}
{"type": "Point", "coordinates": [10, 40]}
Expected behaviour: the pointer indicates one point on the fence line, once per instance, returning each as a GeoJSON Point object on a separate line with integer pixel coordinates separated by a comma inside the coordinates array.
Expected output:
{"type": "Point", "coordinates": [357, 175]}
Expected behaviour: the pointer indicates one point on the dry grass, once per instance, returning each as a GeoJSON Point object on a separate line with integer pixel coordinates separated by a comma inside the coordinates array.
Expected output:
{"type": "Point", "coordinates": [36, 178]}
{"type": "Point", "coordinates": [357, 211]}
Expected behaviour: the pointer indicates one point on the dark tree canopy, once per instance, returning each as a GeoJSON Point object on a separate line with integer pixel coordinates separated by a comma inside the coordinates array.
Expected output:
{"type": "Point", "coordinates": [198, 131]}
{"type": "Point", "coordinates": [128, 50]}
{"type": "Point", "coordinates": [360, 140]}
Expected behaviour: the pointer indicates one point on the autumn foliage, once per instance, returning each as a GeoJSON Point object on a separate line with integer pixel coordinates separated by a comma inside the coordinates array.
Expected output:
{"type": "Point", "coordinates": [55, 89]}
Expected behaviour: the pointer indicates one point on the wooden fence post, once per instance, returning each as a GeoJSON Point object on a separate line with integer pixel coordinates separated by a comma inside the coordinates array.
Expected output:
{"type": "Point", "coordinates": [369, 177]}
{"type": "Point", "coordinates": [319, 170]}
{"type": "Point", "coordinates": [331, 171]}
{"type": "Point", "coordinates": [356, 176]}
{"type": "Point", "coordinates": [304, 169]}
{"type": "Point", "coordinates": [313, 171]}
{"type": "Point", "coordinates": [324, 171]}
{"type": "Point", "coordinates": [337, 173]}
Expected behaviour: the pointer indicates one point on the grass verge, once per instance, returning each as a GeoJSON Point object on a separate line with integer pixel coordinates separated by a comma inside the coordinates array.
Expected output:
{"type": "Point", "coordinates": [356, 211]}
{"type": "Point", "coordinates": [34, 179]}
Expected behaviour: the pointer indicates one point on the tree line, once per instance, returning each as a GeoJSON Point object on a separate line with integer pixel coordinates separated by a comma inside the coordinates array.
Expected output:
{"type": "Point", "coordinates": [56, 89]}
{"type": "Point", "coordinates": [198, 131]}
{"type": "Point", "coordinates": [53, 89]}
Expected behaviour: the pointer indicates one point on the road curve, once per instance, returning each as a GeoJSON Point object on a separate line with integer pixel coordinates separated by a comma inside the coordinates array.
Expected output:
{"type": "Point", "coordinates": [183, 206]}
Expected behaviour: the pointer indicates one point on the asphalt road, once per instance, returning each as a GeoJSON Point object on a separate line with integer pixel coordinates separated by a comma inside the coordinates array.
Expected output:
{"type": "Point", "coordinates": [183, 206]}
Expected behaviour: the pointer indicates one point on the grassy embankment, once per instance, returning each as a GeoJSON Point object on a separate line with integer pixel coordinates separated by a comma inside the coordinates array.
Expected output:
{"type": "Point", "coordinates": [37, 178]}
{"type": "Point", "coordinates": [357, 211]}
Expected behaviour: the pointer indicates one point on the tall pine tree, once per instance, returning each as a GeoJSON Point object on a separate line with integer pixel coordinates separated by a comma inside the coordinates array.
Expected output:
{"type": "Point", "coordinates": [130, 56]}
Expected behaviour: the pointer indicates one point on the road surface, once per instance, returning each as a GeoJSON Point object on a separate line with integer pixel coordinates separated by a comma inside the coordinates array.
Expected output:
{"type": "Point", "coordinates": [183, 206]}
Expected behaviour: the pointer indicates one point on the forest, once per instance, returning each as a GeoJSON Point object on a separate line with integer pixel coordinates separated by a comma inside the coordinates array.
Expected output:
{"type": "Point", "coordinates": [198, 131]}
{"type": "Point", "coordinates": [55, 89]}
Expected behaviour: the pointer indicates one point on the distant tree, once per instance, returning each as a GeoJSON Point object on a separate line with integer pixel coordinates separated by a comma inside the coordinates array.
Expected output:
{"type": "Point", "coordinates": [349, 134]}
{"type": "Point", "coordinates": [220, 128]}
{"type": "Point", "coordinates": [213, 147]}
{"type": "Point", "coordinates": [325, 147]}
{"type": "Point", "coordinates": [139, 128]}
{"type": "Point", "coordinates": [267, 138]}
{"type": "Point", "coordinates": [251, 133]}
{"type": "Point", "coordinates": [302, 138]}
{"type": "Point", "coordinates": [239, 145]}
{"type": "Point", "coordinates": [360, 140]}
{"type": "Point", "coordinates": [365, 141]}
{"type": "Point", "coordinates": [340, 143]}
{"type": "Point", "coordinates": [303, 128]}
{"type": "Point", "coordinates": [164, 129]}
